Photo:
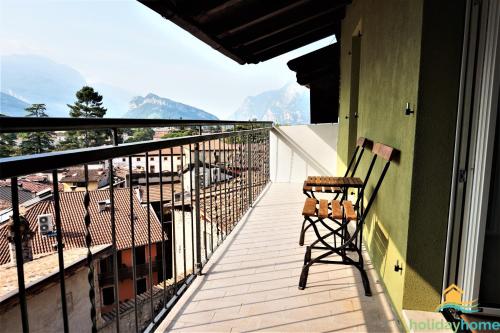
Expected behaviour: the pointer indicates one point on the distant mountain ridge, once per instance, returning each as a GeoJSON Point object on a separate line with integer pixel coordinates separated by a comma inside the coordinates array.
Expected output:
{"type": "Point", "coordinates": [155, 107]}
{"type": "Point", "coordinates": [12, 106]}
{"type": "Point", "coordinates": [36, 79]}
{"type": "Point", "coordinates": [287, 105]}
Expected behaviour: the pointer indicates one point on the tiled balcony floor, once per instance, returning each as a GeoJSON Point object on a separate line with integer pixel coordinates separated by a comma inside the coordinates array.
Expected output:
{"type": "Point", "coordinates": [250, 284]}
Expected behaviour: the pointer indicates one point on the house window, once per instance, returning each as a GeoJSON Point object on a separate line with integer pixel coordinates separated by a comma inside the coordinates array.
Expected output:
{"type": "Point", "coordinates": [164, 158]}
{"type": "Point", "coordinates": [141, 286]}
{"type": "Point", "coordinates": [138, 159]}
{"type": "Point", "coordinates": [152, 168]}
{"type": "Point", "coordinates": [178, 158]}
{"type": "Point", "coordinates": [124, 159]}
{"type": "Point", "coordinates": [106, 265]}
{"type": "Point", "coordinates": [140, 255]}
{"type": "Point", "coordinates": [151, 158]}
{"type": "Point", "coordinates": [108, 295]}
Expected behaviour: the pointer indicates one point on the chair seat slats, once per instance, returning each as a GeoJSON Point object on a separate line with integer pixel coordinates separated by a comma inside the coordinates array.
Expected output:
{"type": "Point", "coordinates": [350, 213]}
{"type": "Point", "coordinates": [309, 207]}
{"type": "Point", "coordinates": [336, 210]}
{"type": "Point", "coordinates": [323, 209]}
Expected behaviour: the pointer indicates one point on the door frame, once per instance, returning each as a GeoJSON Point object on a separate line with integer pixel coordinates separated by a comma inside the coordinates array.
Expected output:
{"type": "Point", "coordinates": [474, 147]}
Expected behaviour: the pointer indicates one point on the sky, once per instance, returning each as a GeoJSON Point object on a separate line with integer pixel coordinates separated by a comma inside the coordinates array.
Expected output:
{"type": "Point", "coordinates": [124, 44]}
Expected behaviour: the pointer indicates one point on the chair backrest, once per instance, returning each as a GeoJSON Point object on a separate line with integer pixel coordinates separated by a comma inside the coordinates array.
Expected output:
{"type": "Point", "coordinates": [386, 153]}
{"type": "Point", "coordinates": [361, 144]}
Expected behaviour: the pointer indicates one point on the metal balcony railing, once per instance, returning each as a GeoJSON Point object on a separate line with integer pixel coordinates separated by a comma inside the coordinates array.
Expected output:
{"type": "Point", "coordinates": [196, 207]}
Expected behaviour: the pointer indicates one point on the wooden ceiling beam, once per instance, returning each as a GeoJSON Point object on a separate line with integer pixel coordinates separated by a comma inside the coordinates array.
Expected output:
{"type": "Point", "coordinates": [294, 43]}
{"type": "Point", "coordinates": [263, 18]}
{"type": "Point", "coordinates": [276, 34]}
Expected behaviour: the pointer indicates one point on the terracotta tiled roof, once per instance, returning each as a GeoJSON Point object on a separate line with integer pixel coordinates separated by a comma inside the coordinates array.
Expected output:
{"type": "Point", "coordinates": [164, 152]}
{"type": "Point", "coordinates": [77, 175]}
{"type": "Point", "coordinates": [73, 226]}
{"type": "Point", "coordinates": [32, 184]}
{"type": "Point", "coordinates": [154, 192]}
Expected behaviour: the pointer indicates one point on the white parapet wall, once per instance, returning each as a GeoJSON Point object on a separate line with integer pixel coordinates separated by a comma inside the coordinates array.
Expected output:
{"type": "Point", "coordinates": [299, 151]}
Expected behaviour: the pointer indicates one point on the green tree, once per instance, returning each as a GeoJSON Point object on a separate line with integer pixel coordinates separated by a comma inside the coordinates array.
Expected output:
{"type": "Point", "coordinates": [36, 142]}
{"type": "Point", "coordinates": [140, 134]}
{"type": "Point", "coordinates": [180, 132]}
{"type": "Point", "coordinates": [88, 104]}
{"type": "Point", "coordinates": [7, 144]}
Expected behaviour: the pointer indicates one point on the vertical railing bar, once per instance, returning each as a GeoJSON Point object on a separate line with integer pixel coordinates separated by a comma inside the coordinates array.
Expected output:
{"type": "Point", "coordinates": [60, 255]}
{"type": "Point", "coordinates": [217, 197]}
{"type": "Point", "coordinates": [172, 209]}
{"type": "Point", "coordinates": [249, 167]}
{"type": "Point", "coordinates": [192, 212]}
{"type": "Point", "coordinates": [162, 222]}
{"type": "Point", "coordinates": [88, 243]}
{"type": "Point", "coordinates": [113, 241]}
{"type": "Point", "coordinates": [233, 186]}
{"type": "Point", "coordinates": [197, 191]}
{"type": "Point", "coordinates": [183, 214]}
{"type": "Point", "coordinates": [210, 193]}
{"type": "Point", "coordinates": [240, 145]}
{"type": "Point", "coordinates": [225, 188]}
{"type": "Point", "coordinates": [19, 254]}
{"type": "Point", "coordinates": [150, 255]}
{"type": "Point", "coordinates": [132, 234]}
{"type": "Point", "coordinates": [221, 223]}
{"type": "Point", "coordinates": [114, 132]}
{"type": "Point", "coordinates": [204, 201]}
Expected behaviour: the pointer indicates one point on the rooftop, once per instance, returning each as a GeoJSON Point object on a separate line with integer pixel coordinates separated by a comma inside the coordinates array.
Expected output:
{"type": "Point", "coordinates": [77, 175]}
{"type": "Point", "coordinates": [73, 226]}
{"type": "Point", "coordinates": [40, 268]}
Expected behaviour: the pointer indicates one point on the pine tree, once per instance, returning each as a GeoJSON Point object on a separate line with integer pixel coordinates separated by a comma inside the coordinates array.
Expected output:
{"type": "Point", "coordinates": [36, 142]}
{"type": "Point", "coordinates": [7, 144]}
{"type": "Point", "coordinates": [87, 105]}
{"type": "Point", "coordinates": [141, 134]}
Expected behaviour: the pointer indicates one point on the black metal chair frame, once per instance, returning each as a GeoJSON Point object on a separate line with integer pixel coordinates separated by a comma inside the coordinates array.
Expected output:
{"type": "Point", "coordinates": [364, 144]}
{"type": "Point", "coordinates": [361, 146]}
{"type": "Point", "coordinates": [349, 243]}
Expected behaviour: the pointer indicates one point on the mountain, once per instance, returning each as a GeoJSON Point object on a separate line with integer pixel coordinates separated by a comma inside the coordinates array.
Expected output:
{"type": "Point", "coordinates": [36, 79]}
{"type": "Point", "coordinates": [155, 107]}
{"type": "Point", "coordinates": [11, 106]}
{"type": "Point", "coordinates": [287, 105]}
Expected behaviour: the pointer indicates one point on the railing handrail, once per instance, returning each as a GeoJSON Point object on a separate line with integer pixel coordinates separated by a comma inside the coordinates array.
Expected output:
{"type": "Point", "coordinates": [28, 164]}
{"type": "Point", "coordinates": [33, 124]}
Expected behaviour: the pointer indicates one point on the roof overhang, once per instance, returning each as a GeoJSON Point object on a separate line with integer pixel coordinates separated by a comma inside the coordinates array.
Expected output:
{"type": "Point", "coordinates": [251, 31]}
{"type": "Point", "coordinates": [324, 62]}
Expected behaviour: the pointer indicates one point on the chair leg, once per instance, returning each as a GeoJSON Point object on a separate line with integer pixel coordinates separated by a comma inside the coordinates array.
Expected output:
{"type": "Point", "coordinates": [302, 233]}
{"type": "Point", "coordinates": [303, 277]}
{"type": "Point", "coordinates": [366, 282]}
{"type": "Point", "coordinates": [307, 256]}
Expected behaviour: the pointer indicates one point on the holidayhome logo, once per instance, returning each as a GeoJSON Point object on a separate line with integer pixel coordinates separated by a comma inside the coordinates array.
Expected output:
{"type": "Point", "coordinates": [452, 299]}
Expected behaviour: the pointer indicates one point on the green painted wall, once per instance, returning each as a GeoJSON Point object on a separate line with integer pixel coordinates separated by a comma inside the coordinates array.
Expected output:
{"type": "Point", "coordinates": [433, 157]}
{"type": "Point", "coordinates": [389, 72]}
{"type": "Point", "coordinates": [399, 46]}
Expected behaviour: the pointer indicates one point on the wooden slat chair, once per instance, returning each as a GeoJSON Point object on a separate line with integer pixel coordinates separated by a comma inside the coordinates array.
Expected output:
{"type": "Point", "coordinates": [361, 145]}
{"type": "Point", "coordinates": [362, 142]}
{"type": "Point", "coordinates": [338, 217]}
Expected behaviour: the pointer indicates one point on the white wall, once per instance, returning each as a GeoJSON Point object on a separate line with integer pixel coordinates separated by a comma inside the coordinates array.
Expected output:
{"type": "Point", "coordinates": [299, 151]}
{"type": "Point", "coordinates": [44, 308]}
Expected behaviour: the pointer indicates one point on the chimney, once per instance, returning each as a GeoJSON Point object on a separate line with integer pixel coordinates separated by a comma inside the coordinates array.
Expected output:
{"type": "Point", "coordinates": [26, 240]}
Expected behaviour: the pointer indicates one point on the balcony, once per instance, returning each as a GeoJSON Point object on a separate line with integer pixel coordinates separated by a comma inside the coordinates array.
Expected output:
{"type": "Point", "coordinates": [228, 243]}
{"type": "Point", "coordinates": [250, 284]}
